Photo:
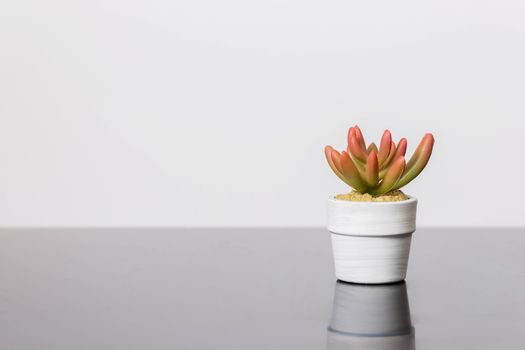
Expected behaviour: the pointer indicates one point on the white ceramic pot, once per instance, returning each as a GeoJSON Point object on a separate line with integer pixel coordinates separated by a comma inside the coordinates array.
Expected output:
{"type": "Point", "coordinates": [371, 240]}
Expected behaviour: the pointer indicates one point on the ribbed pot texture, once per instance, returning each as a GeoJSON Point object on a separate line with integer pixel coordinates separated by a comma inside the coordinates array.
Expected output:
{"type": "Point", "coordinates": [371, 240]}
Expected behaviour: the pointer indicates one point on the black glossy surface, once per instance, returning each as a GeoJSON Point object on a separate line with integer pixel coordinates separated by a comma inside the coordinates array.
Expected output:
{"type": "Point", "coordinates": [254, 289]}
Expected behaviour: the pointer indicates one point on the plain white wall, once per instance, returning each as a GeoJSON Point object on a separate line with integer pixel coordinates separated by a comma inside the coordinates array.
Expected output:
{"type": "Point", "coordinates": [216, 112]}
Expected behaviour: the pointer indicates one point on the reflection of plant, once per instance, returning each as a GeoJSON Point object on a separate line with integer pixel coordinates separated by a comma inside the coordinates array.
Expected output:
{"type": "Point", "coordinates": [373, 171]}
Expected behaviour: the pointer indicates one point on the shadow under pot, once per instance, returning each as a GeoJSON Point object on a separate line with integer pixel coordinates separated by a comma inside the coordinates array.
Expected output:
{"type": "Point", "coordinates": [371, 240]}
{"type": "Point", "coordinates": [371, 317]}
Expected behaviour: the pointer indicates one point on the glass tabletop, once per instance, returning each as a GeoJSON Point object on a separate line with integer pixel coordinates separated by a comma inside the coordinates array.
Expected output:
{"type": "Point", "coordinates": [254, 289]}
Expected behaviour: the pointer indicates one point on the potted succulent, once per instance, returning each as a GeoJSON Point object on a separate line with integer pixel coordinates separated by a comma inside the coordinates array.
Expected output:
{"type": "Point", "coordinates": [371, 227]}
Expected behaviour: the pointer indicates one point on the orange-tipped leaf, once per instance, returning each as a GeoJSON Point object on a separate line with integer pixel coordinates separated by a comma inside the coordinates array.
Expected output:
{"type": "Point", "coordinates": [384, 147]}
{"type": "Point", "coordinates": [400, 151]}
{"type": "Point", "coordinates": [390, 156]}
{"type": "Point", "coordinates": [354, 148]}
{"type": "Point", "coordinates": [351, 173]}
{"type": "Point", "coordinates": [418, 150]}
{"type": "Point", "coordinates": [338, 164]}
{"type": "Point", "coordinates": [392, 176]}
{"type": "Point", "coordinates": [328, 154]}
{"type": "Point", "coordinates": [360, 138]}
{"type": "Point", "coordinates": [418, 161]}
{"type": "Point", "coordinates": [372, 169]}
{"type": "Point", "coordinates": [401, 148]}
{"type": "Point", "coordinates": [372, 147]}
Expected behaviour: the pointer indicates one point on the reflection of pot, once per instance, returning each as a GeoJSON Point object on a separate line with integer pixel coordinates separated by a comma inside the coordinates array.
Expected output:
{"type": "Point", "coordinates": [371, 317]}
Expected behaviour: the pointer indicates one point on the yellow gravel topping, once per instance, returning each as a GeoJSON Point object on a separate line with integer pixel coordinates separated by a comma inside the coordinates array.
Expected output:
{"type": "Point", "coordinates": [394, 196]}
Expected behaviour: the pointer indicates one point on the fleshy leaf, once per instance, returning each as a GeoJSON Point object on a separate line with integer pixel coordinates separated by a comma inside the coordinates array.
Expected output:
{"type": "Point", "coordinates": [351, 173]}
{"type": "Point", "coordinates": [391, 177]}
{"type": "Point", "coordinates": [384, 147]}
{"type": "Point", "coordinates": [418, 161]}
{"type": "Point", "coordinates": [350, 135]}
{"type": "Point", "coordinates": [401, 148]}
{"type": "Point", "coordinates": [399, 152]}
{"type": "Point", "coordinates": [372, 147]}
{"type": "Point", "coordinates": [390, 156]}
{"type": "Point", "coordinates": [354, 147]}
{"type": "Point", "coordinates": [339, 166]}
{"type": "Point", "coordinates": [360, 138]}
{"type": "Point", "coordinates": [372, 169]}
{"type": "Point", "coordinates": [328, 154]}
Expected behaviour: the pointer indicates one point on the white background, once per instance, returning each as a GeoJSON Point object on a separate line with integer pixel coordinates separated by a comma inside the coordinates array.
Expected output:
{"type": "Point", "coordinates": [203, 113]}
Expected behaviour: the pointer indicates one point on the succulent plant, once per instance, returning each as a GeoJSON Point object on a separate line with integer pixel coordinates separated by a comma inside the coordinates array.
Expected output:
{"type": "Point", "coordinates": [378, 171]}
